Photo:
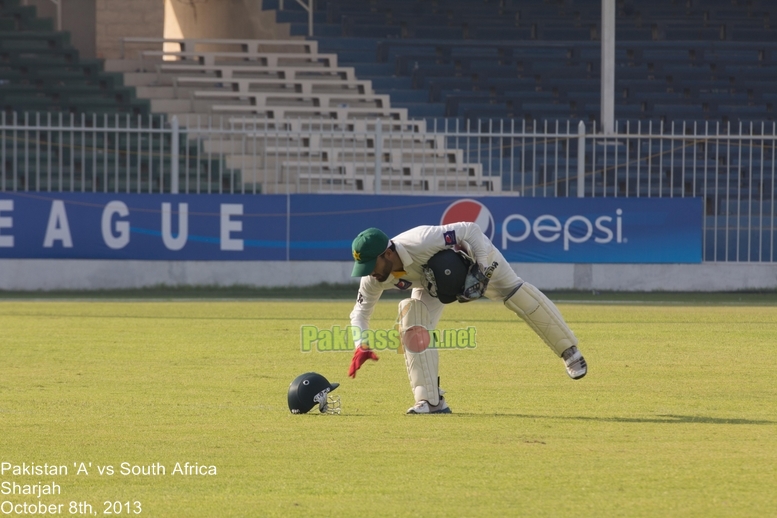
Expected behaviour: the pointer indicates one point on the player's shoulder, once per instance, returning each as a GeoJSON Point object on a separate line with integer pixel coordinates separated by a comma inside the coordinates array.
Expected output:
{"type": "Point", "coordinates": [421, 234]}
{"type": "Point", "coordinates": [458, 225]}
{"type": "Point", "coordinates": [426, 232]}
{"type": "Point", "coordinates": [373, 285]}
{"type": "Point", "coordinates": [415, 231]}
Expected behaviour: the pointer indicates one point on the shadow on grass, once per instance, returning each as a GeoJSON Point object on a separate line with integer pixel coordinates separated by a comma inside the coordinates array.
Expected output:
{"type": "Point", "coordinates": [660, 419]}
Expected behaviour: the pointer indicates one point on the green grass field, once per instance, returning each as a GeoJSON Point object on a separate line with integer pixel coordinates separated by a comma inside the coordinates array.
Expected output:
{"type": "Point", "coordinates": [677, 416]}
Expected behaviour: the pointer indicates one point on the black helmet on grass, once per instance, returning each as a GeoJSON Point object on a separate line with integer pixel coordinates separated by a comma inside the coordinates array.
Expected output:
{"type": "Point", "coordinates": [310, 389]}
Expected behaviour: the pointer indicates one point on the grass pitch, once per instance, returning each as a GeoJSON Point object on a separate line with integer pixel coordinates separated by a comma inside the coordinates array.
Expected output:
{"type": "Point", "coordinates": [675, 418]}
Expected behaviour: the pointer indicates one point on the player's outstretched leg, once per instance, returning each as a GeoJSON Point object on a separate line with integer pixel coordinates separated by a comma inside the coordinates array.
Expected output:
{"type": "Point", "coordinates": [544, 318]}
{"type": "Point", "coordinates": [422, 362]}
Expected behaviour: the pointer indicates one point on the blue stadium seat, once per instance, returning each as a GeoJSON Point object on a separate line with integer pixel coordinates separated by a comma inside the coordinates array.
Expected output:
{"type": "Point", "coordinates": [501, 33]}
{"type": "Point", "coordinates": [682, 58]}
{"type": "Point", "coordinates": [391, 83]}
{"type": "Point", "coordinates": [401, 96]}
{"type": "Point", "coordinates": [422, 109]}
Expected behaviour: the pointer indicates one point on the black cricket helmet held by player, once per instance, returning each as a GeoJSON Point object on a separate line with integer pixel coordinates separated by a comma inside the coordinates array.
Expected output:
{"type": "Point", "coordinates": [310, 389]}
{"type": "Point", "coordinates": [445, 274]}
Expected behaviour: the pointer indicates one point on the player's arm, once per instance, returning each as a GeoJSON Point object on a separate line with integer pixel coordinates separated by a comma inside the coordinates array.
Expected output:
{"type": "Point", "coordinates": [370, 291]}
{"type": "Point", "coordinates": [473, 241]}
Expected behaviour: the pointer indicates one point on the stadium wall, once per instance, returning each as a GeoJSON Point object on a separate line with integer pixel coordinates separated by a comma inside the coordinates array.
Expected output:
{"type": "Point", "coordinates": [82, 274]}
{"type": "Point", "coordinates": [97, 26]}
{"type": "Point", "coordinates": [218, 19]}
{"type": "Point", "coordinates": [78, 18]}
{"type": "Point", "coordinates": [221, 19]}
{"type": "Point", "coordinates": [116, 19]}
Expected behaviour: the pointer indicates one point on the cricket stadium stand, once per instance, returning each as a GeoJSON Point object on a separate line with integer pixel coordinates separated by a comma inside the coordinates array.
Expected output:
{"type": "Point", "coordinates": [302, 115]}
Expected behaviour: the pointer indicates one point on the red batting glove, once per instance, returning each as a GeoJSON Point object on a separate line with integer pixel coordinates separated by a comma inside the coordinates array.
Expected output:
{"type": "Point", "coordinates": [360, 355]}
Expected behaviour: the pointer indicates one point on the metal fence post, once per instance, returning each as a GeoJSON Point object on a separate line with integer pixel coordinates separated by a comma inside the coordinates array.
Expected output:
{"type": "Point", "coordinates": [581, 160]}
{"type": "Point", "coordinates": [378, 154]}
{"type": "Point", "coordinates": [174, 154]}
{"type": "Point", "coordinates": [310, 18]}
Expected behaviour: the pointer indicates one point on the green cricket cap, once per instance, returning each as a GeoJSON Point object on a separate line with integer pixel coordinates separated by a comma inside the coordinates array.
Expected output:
{"type": "Point", "coordinates": [366, 248]}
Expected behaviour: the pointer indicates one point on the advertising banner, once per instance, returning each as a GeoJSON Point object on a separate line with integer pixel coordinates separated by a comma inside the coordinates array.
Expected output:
{"type": "Point", "coordinates": [192, 227]}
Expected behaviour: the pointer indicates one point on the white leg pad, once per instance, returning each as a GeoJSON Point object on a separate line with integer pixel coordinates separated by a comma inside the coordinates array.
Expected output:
{"type": "Point", "coordinates": [414, 324]}
{"type": "Point", "coordinates": [422, 363]}
{"type": "Point", "coordinates": [543, 317]}
{"type": "Point", "coordinates": [422, 370]}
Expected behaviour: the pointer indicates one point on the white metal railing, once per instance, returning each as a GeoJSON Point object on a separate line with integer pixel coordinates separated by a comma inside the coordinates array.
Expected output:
{"type": "Point", "coordinates": [309, 8]}
{"type": "Point", "coordinates": [732, 167]}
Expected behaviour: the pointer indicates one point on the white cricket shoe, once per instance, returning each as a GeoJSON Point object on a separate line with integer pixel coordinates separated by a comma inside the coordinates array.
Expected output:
{"type": "Point", "coordinates": [575, 363]}
{"type": "Point", "coordinates": [423, 407]}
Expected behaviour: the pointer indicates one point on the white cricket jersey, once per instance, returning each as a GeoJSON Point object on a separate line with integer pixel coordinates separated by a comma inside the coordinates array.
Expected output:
{"type": "Point", "coordinates": [415, 247]}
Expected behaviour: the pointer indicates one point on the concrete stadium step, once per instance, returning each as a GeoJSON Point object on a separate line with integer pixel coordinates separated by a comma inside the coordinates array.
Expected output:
{"type": "Point", "coordinates": [275, 85]}
{"type": "Point", "coordinates": [429, 163]}
{"type": "Point", "coordinates": [367, 156]}
{"type": "Point", "coordinates": [158, 92]}
{"type": "Point", "coordinates": [179, 106]}
{"type": "Point", "coordinates": [148, 79]}
{"type": "Point", "coordinates": [129, 65]}
{"type": "Point", "coordinates": [260, 123]}
{"type": "Point", "coordinates": [283, 144]}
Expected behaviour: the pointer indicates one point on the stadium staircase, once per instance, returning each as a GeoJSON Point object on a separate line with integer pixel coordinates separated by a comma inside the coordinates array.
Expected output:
{"type": "Point", "coordinates": [299, 121]}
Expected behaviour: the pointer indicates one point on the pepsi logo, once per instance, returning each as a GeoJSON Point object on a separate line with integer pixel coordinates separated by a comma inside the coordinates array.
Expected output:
{"type": "Point", "coordinates": [470, 211]}
{"type": "Point", "coordinates": [402, 284]}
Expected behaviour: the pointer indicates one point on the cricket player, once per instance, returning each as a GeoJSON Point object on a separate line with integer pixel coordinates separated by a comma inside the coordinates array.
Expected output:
{"type": "Point", "coordinates": [403, 262]}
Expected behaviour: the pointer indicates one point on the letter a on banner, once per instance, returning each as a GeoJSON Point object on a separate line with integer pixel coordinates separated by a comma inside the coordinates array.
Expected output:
{"type": "Point", "coordinates": [178, 242]}
{"type": "Point", "coordinates": [58, 228]}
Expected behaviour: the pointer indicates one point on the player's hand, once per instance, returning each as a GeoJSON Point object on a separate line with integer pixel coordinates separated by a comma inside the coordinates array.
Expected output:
{"type": "Point", "coordinates": [475, 284]}
{"type": "Point", "coordinates": [360, 355]}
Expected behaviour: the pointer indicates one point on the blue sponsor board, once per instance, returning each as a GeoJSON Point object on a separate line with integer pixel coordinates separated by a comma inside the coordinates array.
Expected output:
{"type": "Point", "coordinates": [321, 227]}
{"type": "Point", "coordinates": [142, 226]}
